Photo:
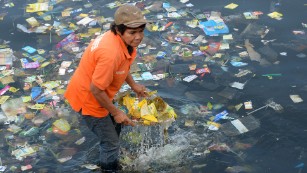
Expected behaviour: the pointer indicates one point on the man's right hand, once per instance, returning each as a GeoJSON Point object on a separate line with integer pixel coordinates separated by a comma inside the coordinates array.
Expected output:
{"type": "Point", "coordinates": [121, 118]}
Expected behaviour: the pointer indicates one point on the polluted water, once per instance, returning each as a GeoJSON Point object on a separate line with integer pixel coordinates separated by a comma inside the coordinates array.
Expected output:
{"type": "Point", "coordinates": [228, 80]}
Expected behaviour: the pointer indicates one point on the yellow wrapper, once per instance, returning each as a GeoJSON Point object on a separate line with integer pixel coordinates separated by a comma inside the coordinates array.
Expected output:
{"type": "Point", "coordinates": [26, 99]}
{"type": "Point", "coordinates": [13, 89]}
{"type": "Point", "coordinates": [150, 118]}
{"type": "Point", "coordinates": [37, 106]}
{"type": "Point", "coordinates": [231, 6]}
{"type": "Point", "coordinates": [150, 110]}
{"type": "Point", "coordinates": [3, 99]}
{"type": "Point", "coordinates": [62, 124]}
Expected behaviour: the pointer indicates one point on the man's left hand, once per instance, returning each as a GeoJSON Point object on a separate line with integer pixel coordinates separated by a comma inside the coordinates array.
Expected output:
{"type": "Point", "coordinates": [140, 90]}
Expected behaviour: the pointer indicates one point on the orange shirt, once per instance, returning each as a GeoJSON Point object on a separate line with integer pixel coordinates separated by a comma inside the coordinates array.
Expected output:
{"type": "Point", "coordinates": [106, 63]}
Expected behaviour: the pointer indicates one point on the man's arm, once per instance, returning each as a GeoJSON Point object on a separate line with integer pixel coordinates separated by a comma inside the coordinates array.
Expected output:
{"type": "Point", "coordinates": [130, 80]}
{"type": "Point", "coordinates": [103, 99]}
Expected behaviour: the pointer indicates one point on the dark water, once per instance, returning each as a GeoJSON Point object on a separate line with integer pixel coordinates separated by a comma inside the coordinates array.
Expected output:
{"type": "Point", "coordinates": [281, 137]}
{"type": "Point", "coordinates": [280, 143]}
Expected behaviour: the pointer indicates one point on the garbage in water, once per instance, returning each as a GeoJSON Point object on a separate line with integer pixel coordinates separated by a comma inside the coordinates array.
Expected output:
{"type": "Point", "coordinates": [239, 126]}
{"type": "Point", "coordinates": [223, 71]}
{"type": "Point", "coordinates": [148, 111]}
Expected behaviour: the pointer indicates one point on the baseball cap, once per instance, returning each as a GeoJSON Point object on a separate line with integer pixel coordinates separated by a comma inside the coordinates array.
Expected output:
{"type": "Point", "coordinates": [129, 15]}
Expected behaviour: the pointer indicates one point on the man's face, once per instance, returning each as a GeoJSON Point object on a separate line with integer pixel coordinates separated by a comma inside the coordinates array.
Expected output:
{"type": "Point", "coordinates": [132, 36]}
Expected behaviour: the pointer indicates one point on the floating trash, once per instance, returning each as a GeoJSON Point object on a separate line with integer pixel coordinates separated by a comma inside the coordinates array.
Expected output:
{"type": "Point", "coordinates": [240, 126]}
{"type": "Point", "coordinates": [148, 111]}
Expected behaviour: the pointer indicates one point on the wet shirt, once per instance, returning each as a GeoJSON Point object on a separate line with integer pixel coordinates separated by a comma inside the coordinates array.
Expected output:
{"type": "Point", "coordinates": [105, 63]}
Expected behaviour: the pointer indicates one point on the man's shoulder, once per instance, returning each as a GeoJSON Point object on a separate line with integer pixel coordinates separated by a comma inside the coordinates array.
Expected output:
{"type": "Point", "coordinates": [110, 36]}
{"type": "Point", "coordinates": [110, 41]}
{"type": "Point", "coordinates": [106, 41]}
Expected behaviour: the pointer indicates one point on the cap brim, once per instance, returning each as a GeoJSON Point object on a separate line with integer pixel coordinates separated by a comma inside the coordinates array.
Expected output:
{"type": "Point", "coordinates": [136, 23]}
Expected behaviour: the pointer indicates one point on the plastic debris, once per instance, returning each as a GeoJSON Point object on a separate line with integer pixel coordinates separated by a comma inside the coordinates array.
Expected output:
{"type": "Point", "coordinates": [277, 107]}
{"type": "Point", "coordinates": [275, 15]}
{"type": "Point", "coordinates": [37, 7]}
{"type": "Point", "coordinates": [148, 111]}
{"type": "Point", "coordinates": [190, 78]}
{"type": "Point", "coordinates": [213, 28]}
{"type": "Point", "coordinates": [90, 166]}
{"type": "Point", "coordinates": [300, 165]}
{"type": "Point", "coordinates": [296, 98]}
{"type": "Point", "coordinates": [6, 56]}
{"type": "Point", "coordinates": [252, 15]}
{"type": "Point", "coordinates": [234, 169]}
{"type": "Point", "coordinates": [2, 168]}
{"type": "Point", "coordinates": [221, 115]}
{"type": "Point", "coordinates": [62, 125]}
{"type": "Point", "coordinates": [27, 167]}
{"type": "Point", "coordinates": [231, 6]}
{"type": "Point", "coordinates": [23, 152]}
{"type": "Point", "coordinates": [237, 85]}
{"type": "Point", "coordinates": [29, 49]}
{"type": "Point", "coordinates": [240, 126]}
{"type": "Point", "coordinates": [301, 55]}
{"type": "Point", "coordinates": [248, 105]}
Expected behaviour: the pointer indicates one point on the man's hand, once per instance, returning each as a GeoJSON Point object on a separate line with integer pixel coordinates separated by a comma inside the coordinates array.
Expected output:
{"type": "Point", "coordinates": [121, 118]}
{"type": "Point", "coordinates": [140, 90]}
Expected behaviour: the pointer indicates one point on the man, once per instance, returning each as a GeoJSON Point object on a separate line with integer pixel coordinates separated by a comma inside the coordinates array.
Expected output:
{"type": "Point", "coordinates": [103, 69]}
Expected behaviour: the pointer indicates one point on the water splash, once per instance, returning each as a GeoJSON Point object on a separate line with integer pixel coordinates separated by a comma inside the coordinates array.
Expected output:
{"type": "Point", "coordinates": [150, 147]}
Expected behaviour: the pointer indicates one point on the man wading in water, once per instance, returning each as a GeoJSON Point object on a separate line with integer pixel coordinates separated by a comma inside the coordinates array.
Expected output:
{"type": "Point", "coordinates": [103, 69]}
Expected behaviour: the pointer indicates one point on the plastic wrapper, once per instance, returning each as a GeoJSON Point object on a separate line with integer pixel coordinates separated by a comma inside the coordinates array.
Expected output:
{"type": "Point", "coordinates": [68, 43]}
{"type": "Point", "coordinates": [31, 8]}
{"type": "Point", "coordinates": [148, 111]}
{"type": "Point", "coordinates": [6, 56]}
{"type": "Point", "coordinates": [13, 107]}
{"type": "Point", "coordinates": [62, 125]}
{"type": "Point", "coordinates": [240, 126]}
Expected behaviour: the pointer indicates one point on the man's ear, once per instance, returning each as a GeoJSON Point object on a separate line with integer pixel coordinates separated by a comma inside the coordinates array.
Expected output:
{"type": "Point", "coordinates": [117, 32]}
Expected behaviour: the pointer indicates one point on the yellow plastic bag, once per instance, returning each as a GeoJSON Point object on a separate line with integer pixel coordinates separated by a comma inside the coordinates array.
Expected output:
{"type": "Point", "coordinates": [148, 111]}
